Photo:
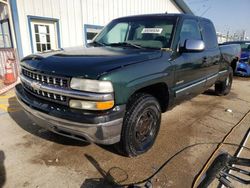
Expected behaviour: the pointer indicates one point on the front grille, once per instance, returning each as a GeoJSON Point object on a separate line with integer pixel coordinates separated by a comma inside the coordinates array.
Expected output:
{"type": "Point", "coordinates": [46, 95]}
{"type": "Point", "coordinates": [47, 79]}
{"type": "Point", "coordinates": [53, 81]}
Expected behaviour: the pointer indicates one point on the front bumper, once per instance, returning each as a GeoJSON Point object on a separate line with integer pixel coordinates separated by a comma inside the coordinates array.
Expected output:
{"type": "Point", "coordinates": [99, 127]}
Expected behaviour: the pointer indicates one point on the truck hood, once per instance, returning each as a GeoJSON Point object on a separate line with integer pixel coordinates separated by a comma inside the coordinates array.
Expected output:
{"type": "Point", "coordinates": [91, 62]}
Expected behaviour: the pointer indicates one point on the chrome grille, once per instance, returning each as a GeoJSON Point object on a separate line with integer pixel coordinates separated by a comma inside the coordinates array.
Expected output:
{"type": "Point", "coordinates": [59, 82]}
{"type": "Point", "coordinates": [46, 95]}
{"type": "Point", "coordinates": [47, 79]}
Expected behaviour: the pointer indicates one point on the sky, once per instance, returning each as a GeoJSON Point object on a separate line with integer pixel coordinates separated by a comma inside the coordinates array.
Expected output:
{"type": "Point", "coordinates": [227, 15]}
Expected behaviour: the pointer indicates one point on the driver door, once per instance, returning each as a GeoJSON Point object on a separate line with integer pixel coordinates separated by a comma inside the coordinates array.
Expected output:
{"type": "Point", "coordinates": [190, 75]}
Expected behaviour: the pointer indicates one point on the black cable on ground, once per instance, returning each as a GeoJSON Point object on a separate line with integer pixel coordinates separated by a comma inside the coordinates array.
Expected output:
{"type": "Point", "coordinates": [172, 157]}
{"type": "Point", "coordinates": [206, 166]}
{"type": "Point", "coordinates": [219, 145]}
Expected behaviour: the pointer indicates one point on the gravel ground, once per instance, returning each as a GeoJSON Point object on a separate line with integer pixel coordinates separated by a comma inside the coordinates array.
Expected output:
{"type": "Point", "coordinates": [33, 157]}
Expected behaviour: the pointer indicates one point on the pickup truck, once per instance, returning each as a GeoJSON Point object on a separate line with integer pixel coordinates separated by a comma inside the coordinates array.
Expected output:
{"type": "Point", "coordinates": [114, 90]}
{"type": "Point", "coordinates": [243, 66]}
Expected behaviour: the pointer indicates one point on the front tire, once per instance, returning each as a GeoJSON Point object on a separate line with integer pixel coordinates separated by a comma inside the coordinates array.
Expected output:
{"type": "Point", "coordinates": [141, 124]}
{"type": "Point", "coordinates": [224, 87]}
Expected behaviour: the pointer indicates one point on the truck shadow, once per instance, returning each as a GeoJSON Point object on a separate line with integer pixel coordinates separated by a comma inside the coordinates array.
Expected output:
{"type": "Point", "coordinates": [106, 180]}
{"type": "Point", "coordinates": [2, 169]}
{"type": "Point", "coordinates": [22, 120]}
{"type": "Point", "coordinates": [210, 92]}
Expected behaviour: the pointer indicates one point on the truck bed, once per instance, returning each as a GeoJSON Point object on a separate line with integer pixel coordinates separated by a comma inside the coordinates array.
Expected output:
{"type": "Point", "coordinates": [230, 52]}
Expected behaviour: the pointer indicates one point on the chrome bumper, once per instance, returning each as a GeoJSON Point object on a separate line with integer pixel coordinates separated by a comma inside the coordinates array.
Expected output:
{"type": "Point", "coordinates": [102, 133]}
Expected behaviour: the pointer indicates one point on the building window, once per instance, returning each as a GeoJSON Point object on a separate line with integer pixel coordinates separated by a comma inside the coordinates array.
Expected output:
{"type": "Point", "coordinates": [5, 36]}
{"type": "Point", "coordinates": [91, 31]}
{"type": "Point", "coordinates": [42, 37]}
{"type": "Point", "coordinates": [44, 34]}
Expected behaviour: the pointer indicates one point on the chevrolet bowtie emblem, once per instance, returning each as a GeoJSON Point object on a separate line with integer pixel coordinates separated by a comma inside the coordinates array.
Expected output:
{"type": "Point", "coordinates": [35, 85]}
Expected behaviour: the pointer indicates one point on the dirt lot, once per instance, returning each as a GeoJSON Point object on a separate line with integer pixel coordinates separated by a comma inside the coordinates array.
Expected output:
{"type": "Point", "coordinates": [33, 157]}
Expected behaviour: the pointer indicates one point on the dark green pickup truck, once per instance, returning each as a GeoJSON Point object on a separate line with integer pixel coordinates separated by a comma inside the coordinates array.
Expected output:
{"type": "Point", "coordinates": [115, 89]}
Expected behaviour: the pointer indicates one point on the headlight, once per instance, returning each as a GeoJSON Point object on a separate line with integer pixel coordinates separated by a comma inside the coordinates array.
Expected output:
{"type": "Point", "coordinates": [91, 105]}
{"type": "Point", "coordinates": [91, 85]}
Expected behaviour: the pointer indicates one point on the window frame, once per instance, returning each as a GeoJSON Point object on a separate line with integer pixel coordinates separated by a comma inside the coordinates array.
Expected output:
{"type": "Point", "coordinates": [44, 19]}
{"type": "Point", "coordinates": [48, 35]}
{"type": "Point", "coordinates": [201, 24]}
{"type": "Point", "coordinates": [198, 26]}
{"type": "Point", "coordinates": [90, 26]}
{"type": "Point", "coordinates": [2, 29]}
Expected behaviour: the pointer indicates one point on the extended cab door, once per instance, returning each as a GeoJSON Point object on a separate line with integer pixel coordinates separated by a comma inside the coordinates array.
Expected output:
{"type": "Point", "coordinates": [190, 74]}
{"type": "Point", "coordinates": [213, 55]}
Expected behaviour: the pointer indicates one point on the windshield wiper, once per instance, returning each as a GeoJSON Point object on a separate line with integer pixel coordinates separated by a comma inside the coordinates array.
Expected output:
{"type": "Point", "coordinates": [98, 43]}
{"type": "Point", "coordinates": [126, 44]}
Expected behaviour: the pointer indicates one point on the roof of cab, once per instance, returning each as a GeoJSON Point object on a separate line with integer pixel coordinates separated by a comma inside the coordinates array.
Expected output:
{"type": "Point", "coordinates": [179, 15]}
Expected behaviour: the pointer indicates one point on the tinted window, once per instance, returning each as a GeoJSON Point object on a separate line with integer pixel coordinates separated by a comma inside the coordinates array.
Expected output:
{"type": "Point", "coordinates": [190, 30]}
{"type": "Point", "coordinates": [209, 35]}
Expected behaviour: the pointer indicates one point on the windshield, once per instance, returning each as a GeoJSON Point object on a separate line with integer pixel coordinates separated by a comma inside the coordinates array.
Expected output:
{"type": "Point", "coordinates": [245, 47]}
{"type": "Point", "coordinates": [145, 33]}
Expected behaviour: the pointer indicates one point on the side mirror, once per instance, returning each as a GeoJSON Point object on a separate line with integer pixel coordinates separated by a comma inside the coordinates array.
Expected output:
{"type": "Point", "coordinates": [192, 45]}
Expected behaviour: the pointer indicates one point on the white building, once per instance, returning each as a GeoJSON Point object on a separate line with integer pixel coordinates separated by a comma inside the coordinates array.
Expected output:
{"type": "Point", "coordinates": [31, 26]}
{"type": "Point", "coordinates": [41, 25]}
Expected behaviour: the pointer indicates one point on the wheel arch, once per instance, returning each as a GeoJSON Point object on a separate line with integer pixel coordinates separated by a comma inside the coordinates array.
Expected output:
{"type": "Point", "coordinates": [158, 90]}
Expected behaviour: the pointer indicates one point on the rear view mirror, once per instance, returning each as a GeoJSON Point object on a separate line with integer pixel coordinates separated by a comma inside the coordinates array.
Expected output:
{"type": "Point", "coordinates": [192, 45]}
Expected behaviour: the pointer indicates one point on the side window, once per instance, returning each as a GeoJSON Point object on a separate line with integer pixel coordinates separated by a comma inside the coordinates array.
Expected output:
{"type": "Point", "coordinates": [116, 34]}
{"type": "Point", "coordinates": [190, 30]}
{"type": "Point", "coordinates": [209, 35]}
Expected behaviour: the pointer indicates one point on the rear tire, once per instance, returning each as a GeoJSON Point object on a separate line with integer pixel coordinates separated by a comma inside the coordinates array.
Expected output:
{"type": "Point", "coordinates": [224, 87]}
{"type": "Point", "coordinates": [141, 124]}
